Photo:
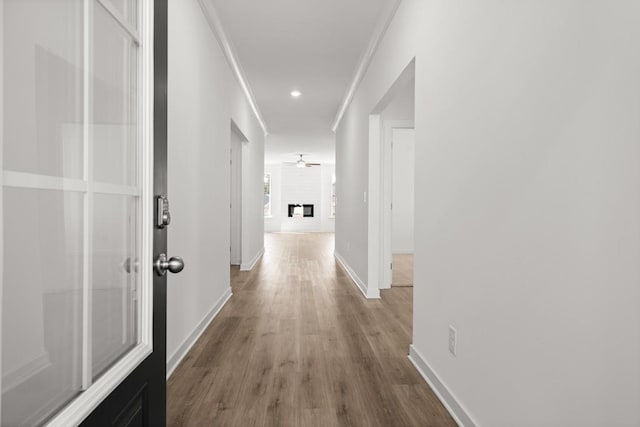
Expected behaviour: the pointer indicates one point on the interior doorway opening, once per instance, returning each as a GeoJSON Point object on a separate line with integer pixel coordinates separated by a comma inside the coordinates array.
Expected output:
{"type": "Point", "coordinates": [398, 219]}
{"type": "Point", "coordinates": [392, 166]}
{"type": "Point", "coordinates": [235, 201]}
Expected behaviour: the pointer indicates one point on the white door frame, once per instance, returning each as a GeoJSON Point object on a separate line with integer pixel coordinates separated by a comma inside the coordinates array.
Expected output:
{"type": "Point", "coordinates": [376, 196]}
{"type": "Point", "coordinates": [1, 186]}
{"type": "Point", "coordinates": [374, 229]}
{"type": "Point", "coordinates": [386, 256]}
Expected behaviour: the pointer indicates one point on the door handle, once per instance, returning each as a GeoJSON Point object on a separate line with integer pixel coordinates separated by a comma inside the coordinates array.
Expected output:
{"type": "Point", "coordinates": [162, 264]}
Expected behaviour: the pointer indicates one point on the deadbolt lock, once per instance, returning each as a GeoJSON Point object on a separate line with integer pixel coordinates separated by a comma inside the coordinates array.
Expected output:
{"type": "Point", "coordinates": [163, 216]}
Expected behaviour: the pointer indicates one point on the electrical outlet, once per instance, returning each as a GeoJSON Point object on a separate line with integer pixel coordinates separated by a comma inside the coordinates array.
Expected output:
{"type": "Point", "coordinates": [453, 340]}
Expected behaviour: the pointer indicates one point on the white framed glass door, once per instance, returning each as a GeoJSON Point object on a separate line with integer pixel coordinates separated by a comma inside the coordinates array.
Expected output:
{"type": "Point", "coordinates": [76, 139]}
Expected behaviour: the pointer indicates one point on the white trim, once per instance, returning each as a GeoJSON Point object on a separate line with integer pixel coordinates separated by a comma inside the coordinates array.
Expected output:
{"type": "Point", "coordinates": [47, 182]}
{"type": "Point", "coordinates": [376, 38]}
{"type": "Point", "coordinates": [386, 252]}
{"type": "Point", "coordinates": [25, 371]}
{"type": "Point", "coordinates": [146, 172]}
{"type": "Point", "coordinates": [110, 356]}
{"type": "Point", "coordinates": [232, 58]}
{"type": "Point", "coordinates": [42, 182]}
{"type": "Point", "coordinates": [374, 213]}
{"type": "Point", "coordinates": [174, 360]}
{"type": "Point", "coordinates": [249, 265]}
{"type": "Point", "coordinates": [115, 13]}
{"type": "Point", "coordinates": [87, 401]}
{"type": "Point", "coordinates": [460, 415]}
{"type": "Point", "coordinates": [1, 185]}
{"type": "Point", "coordinates": [107, 188]}
{"type": "Point", "coordinates": [402, 252]}
{"type": "Point", "coordinates": [87, 259]}
{"type": "Point", "coordinates": [368, 293]}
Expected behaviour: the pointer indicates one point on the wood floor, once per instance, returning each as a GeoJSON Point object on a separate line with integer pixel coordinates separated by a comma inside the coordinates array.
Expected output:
{"type": "Point", "coordinates": [298, 345]}
{"type": "Point", "coordinates": [402, 270]}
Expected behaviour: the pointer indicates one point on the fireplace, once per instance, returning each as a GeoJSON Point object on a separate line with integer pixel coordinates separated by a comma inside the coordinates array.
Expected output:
{"type": "Point", "coordinates": [297, 210]}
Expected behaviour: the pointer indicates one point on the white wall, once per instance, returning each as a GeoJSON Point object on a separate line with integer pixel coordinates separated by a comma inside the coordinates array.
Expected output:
{"type": "Point", "coordinates": [528, 241]}
{"type": "Point", "coordinates": [290, 184]}
{"type": "Point", "coordinates": [402, 104]}
{"type": "Point", "coordinates": [403, 191]}
{"type": "Point", "coordinates": [203, 99]}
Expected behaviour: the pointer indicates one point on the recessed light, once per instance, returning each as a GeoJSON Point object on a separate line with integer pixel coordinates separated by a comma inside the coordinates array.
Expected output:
{"type": "Point", "coordinates": [296, 93]}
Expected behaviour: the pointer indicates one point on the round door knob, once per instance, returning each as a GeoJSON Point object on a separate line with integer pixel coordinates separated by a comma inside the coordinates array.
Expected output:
{"type": "Point", "coordinates": [130, 266]}
{"type": "Point", "coordinates": [174, 264]}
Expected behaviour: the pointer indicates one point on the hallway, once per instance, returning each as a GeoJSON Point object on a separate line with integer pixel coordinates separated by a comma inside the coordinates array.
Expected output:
{"type": "Point", "coordinates": [298, 345]}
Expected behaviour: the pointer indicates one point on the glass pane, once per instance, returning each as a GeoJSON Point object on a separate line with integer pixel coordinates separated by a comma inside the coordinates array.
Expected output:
{"type": "Point", "coordinates": [41, 303]}
{"type": "Point", "coordinates": [128, 9]}
{"type": "Point", "coordinates": [114, 115]}
{"type": "Point", "coordinates": [115, 279]}
{"type": "Point", "coordinates": [44, 244]}
{"type": "Point", "coordinates": [43, 86]}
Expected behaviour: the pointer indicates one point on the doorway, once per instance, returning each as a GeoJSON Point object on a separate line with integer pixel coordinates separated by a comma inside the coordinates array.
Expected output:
{"type": "Point", "coordinates": [392, 185]}
{"type": "Point", "coordinates": [400, 216]}
{"type": "Point", "coordinates": [235, 205]}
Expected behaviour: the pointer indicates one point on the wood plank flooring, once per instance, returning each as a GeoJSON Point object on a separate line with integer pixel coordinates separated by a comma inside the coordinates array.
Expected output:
{"type": "Point", "coordinates": [298, 345]}
{"type": "Point", "coordinates": [402, 270]}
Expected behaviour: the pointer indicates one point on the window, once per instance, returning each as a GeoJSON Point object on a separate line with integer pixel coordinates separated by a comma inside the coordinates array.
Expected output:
{"type": "Point", "coordinates": [70, 334]}
{"type": "Point", "coordinates": [332, 214]}
{"type": "Point", "coordinates": [267, 195]}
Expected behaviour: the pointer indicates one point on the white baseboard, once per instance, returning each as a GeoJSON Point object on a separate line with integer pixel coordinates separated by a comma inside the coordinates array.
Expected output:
{"type": "Point", "coordinates": [384, 286]}
{"type": "Point", "coordinates": [249, 266]}
{"type": "Point", "coordinates": [450, 402]}
{"type": "Point", "coordinates": [25, 371]}
{"type": "Point", "coordinates": [181, 352]}
{"type": "Point", "coordinates": [368, 293]}
{"type": "Point", "coordinates": [402, 251]}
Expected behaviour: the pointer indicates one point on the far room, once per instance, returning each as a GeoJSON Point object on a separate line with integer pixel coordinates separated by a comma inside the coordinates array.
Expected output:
{"type": "Point", "coordinates": [299, 182]}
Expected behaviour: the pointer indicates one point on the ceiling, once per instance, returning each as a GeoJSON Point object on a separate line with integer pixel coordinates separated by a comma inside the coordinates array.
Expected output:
{"type": "Point", "coordinates": [313, 46]}
{"type": "Point", "coordinates": [317, 147]}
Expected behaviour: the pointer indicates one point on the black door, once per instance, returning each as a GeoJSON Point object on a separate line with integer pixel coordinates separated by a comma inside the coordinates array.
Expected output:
{"type": "Point", "coordinates": [140, 400]}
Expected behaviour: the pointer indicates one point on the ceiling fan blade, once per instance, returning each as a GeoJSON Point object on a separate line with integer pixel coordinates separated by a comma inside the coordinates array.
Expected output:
{"type": "Point", "coordinates": [314, 164]}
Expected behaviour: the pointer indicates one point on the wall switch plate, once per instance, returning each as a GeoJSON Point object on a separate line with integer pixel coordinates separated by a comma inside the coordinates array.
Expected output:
{"type": "Point", "coordinates": [453, 340]}
{"type": "Point", "coordinates": [364, 198]}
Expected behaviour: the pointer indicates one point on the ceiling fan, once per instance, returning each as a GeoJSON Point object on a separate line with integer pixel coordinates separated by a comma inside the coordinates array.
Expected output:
{"type": "Point", "coordinates": [301, 163]}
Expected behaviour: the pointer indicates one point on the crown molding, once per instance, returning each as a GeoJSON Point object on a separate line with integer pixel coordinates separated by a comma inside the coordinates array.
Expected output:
{"type": "Point", "coordinates": [232, 58]}
{"type": "Point", "coordinates": [376, 38]}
